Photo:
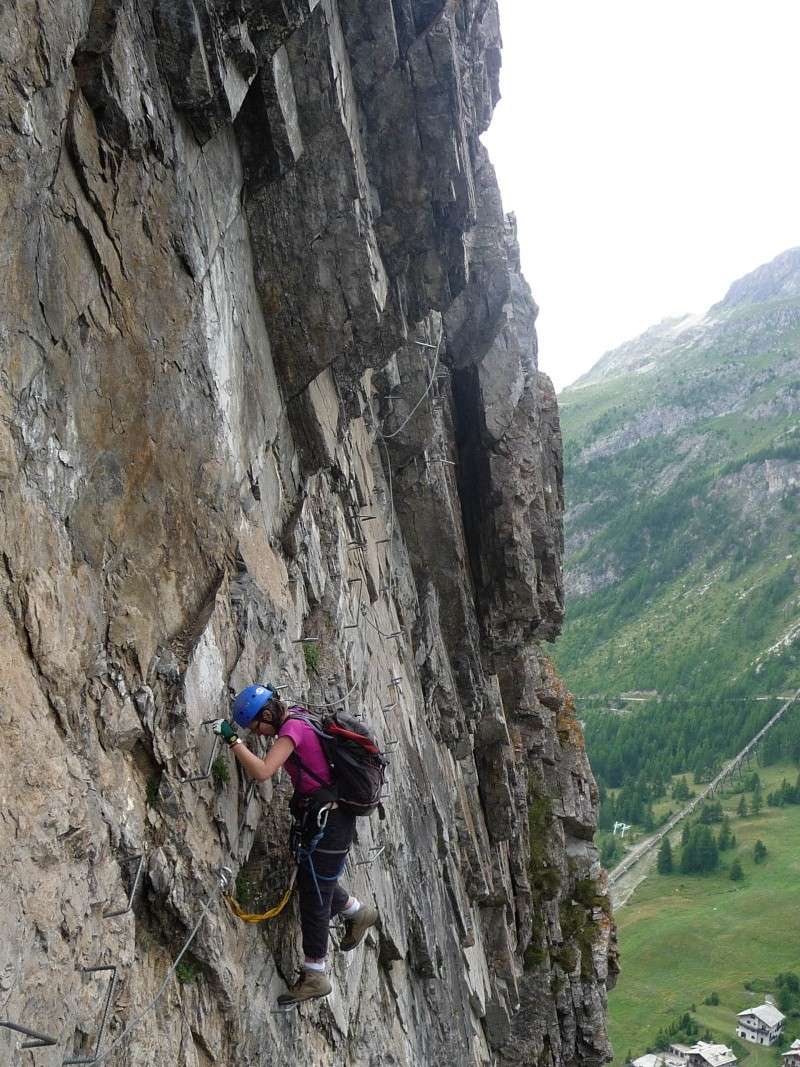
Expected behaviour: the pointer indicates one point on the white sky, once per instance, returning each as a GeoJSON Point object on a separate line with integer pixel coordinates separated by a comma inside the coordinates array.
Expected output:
{"type": "Point", "coordinates": [651, 152]}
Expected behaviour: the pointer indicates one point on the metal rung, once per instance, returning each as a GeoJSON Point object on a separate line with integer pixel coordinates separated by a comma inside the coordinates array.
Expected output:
{"type": "Point", "coordinates": [306, 640]}
{"type": "Point", "coordinates": [207, 772]}
{"type": "Point", "coordinates": [378, 849]}
{"type": "Point", "coordinates": [359, 606]}
{"type": "Point", "coordinates": [37, 1040]}
{"type": "Point", "coordinates": [92, 1059]}
{"type": "Point", "coordinates": [138, 875]}
{"type": "Point", "coordinates": [384, 541]}
{"type": "Point", "coordinates": [424, 344]}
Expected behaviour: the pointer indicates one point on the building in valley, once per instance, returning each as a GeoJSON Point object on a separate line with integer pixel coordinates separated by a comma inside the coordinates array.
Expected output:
{"type": "Point", "coordinates": [657, 1059]}
{"type": "Point", "coordinates": [791, 1058]}
{"type": "Point", "coordinates": [762, 1025]}
{"type": "Point", "coordinates": [701, 1054]}
{"type": "Point", "coordinates": [704, 1054]}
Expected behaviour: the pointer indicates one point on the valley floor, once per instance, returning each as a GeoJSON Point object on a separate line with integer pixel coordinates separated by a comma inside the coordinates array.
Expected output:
{"type": "Point", "coordinates": [683, 937]}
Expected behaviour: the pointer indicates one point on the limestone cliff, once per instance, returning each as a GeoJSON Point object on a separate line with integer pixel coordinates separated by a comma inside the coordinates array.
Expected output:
{"type": "Point", "coordinates": [269, 374]}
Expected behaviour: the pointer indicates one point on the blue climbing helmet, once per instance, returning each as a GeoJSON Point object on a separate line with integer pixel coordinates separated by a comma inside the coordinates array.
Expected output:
{"type": "Point", "coordinates": [250, 702]}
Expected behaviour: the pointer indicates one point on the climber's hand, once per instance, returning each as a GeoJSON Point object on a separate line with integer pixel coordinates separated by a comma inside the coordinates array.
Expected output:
{"type": "Point", "coordinates": [223, 729]}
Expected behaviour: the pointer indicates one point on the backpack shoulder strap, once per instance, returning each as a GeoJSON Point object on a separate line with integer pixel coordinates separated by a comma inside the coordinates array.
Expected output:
{"type": "Point", "coordinates": [302, 715]}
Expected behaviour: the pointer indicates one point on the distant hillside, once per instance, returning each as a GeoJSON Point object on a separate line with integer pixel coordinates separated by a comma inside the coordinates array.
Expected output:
{"type": "Point", "coordinates": [682, 470]}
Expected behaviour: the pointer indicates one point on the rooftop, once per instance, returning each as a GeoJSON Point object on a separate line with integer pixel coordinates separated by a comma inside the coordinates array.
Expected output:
{"type": "Point", "coordinates": [767, 1013]}
{"type": "Point", "coordinates": [658, 1059]}
{"type": "Point", "coordinates": [715, 1055]}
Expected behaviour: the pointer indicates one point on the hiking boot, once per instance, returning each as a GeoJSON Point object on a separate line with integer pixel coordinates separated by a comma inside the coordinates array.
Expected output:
{"type": "Point", "coordinates": [355, 929]}
{"type": "Point", "coordinates": [309, 986]}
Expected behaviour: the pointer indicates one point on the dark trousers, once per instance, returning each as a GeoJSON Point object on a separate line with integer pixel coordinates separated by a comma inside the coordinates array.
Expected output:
{"type": "Point", "coordinates": [321, 896]}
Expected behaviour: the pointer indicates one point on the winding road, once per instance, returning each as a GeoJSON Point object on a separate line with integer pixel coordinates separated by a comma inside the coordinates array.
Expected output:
{"type": "Point", "coordinates": [643, 848]}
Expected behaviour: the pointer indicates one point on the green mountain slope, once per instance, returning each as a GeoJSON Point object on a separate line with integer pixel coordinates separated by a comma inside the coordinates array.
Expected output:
{"type": "Point", "coordinates": [682, 464]}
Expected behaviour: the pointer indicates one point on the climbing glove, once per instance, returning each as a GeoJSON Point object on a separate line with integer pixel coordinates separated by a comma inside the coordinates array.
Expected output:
{"type": "Point", "coordinates": [224, 729]}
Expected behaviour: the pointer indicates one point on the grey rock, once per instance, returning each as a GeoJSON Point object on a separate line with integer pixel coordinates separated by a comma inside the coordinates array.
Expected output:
{"type": "Point", "coordinates": [241, 237]}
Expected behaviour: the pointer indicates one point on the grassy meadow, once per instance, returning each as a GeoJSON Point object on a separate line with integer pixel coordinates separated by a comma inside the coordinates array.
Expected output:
{"type": "Point", "coordinates": [683, 937]}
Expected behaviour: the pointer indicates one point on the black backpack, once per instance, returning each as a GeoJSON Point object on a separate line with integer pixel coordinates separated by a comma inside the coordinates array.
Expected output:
{"type": "Point", "coordinates": [358, 765]}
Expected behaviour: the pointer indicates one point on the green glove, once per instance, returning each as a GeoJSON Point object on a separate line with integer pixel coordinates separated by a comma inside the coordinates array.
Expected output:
{"type": "Point", "coordinates": [224, 730]}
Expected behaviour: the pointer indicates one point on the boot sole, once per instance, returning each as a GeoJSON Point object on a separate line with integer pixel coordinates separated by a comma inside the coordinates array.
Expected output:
{"type": "Point", "coordinates": [355, 944]}
{"type": "Point", "coordinates": [293, 1005]}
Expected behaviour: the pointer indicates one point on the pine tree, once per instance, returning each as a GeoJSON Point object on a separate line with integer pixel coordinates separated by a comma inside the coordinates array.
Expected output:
{"type": "Point", "coordinates": [741, 810]}
{"type": "Point", "coordinates": [759, 851]}
{"type": "Point", "coordinates": [755, 806]}
{"type": "Point", "coordinates": [665, 857]}
{"type": "Point", "coordinates": [708, 855]}
{"type": "Point", "coordinates": [737, 874]}
{"type": "Point", "coordinates": [680, 791]}
{"type": "Point", "coordinates": [725, 835]}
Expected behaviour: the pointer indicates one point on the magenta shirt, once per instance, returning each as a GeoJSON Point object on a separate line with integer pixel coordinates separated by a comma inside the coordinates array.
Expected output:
{"type": "Point", "coordinates": [308, 747]}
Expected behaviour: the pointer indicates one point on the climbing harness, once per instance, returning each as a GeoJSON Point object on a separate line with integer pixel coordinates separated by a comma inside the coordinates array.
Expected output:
{"type": "Point", "coordinates": [305, 853]}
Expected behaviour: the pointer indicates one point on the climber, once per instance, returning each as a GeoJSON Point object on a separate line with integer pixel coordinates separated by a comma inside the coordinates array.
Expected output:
{"type": "Point", "coordinates": [322, 831]}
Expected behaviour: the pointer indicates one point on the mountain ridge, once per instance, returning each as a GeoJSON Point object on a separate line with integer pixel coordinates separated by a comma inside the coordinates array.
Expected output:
{"type": "Point", "coordinates": [682, 476]}
{"type": "Point", "coordinates": [773, 282]}
{"type": "Point", "coordinates": [776, 280]}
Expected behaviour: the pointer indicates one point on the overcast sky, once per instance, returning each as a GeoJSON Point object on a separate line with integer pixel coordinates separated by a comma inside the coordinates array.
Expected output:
{"type": "Point", "coordinates": [650, 150]}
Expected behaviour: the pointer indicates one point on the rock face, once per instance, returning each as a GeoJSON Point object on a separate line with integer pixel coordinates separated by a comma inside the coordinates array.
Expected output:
{"type": "Point", "coordinates": [269, 374]}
